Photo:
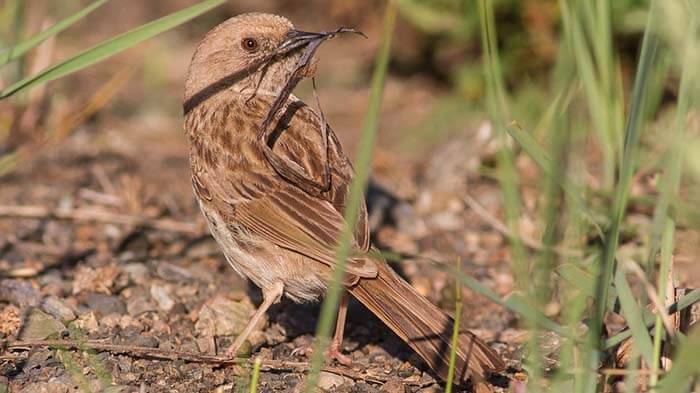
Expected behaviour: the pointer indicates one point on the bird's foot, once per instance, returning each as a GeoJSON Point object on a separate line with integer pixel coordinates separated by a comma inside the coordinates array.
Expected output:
{"type": "Point", "coordinates": [233, 349]}
{"type": "Point", "coordinates": [332, 352]}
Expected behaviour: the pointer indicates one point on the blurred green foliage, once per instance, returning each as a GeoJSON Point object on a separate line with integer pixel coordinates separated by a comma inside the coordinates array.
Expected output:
{"type": "Point", "coordinates": [599, 94]}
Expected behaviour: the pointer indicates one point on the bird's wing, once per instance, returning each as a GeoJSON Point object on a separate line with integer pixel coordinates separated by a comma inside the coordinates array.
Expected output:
{"type": "Point", "coordinates": [278, 210]}
{"type": "Point", "coordinates": [299, 138]}
{"type": "Point", "coordinates": [294, 220]}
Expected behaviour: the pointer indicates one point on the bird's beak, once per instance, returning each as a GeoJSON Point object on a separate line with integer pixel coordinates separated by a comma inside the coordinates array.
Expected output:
{"type": "Point", "coordinates": [308, 43]}
{"type": "Point", "coordinates": [298, 38]}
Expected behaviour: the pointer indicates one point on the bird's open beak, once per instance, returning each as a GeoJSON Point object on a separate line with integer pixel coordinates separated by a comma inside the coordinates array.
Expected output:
{"type": "Point", "coordinates": [308, 43]}
{"type": "Point", "coordinates": [297, 38]}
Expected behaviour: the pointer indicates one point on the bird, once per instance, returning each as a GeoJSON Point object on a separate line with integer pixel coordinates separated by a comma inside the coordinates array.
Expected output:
{"type": "Point", "coordinates": [272, 182]}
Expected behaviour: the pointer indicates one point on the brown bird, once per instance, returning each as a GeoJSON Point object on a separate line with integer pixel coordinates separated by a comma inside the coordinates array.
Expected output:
{"type": "Point", "coordinates": [272, 181]}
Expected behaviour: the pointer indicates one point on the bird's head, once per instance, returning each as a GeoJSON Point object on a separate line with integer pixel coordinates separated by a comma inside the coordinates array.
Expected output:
{"type": "Point", "coordinates": [251, 54]}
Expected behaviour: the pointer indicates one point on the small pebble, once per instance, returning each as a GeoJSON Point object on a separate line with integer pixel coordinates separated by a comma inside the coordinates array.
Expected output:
{"type": "Point", "coordinates": [39, 325]}
{"type": "Point", "coordinates": [394, 386]}
{"type": "Point", "coordinates": [138, 273]}
{"type": "Point", "coordinates": [18, 292]}
{"type": "Point", "coordinates": [57, 308]}
{"type": "Point", "coordinates": [87, 322]}
{"type": "Point", "coordinates": [105, 304]}
{"type": "Point", "coordinates": [328, 381]}
{"type": "Point", "coordinates": [162, 298]}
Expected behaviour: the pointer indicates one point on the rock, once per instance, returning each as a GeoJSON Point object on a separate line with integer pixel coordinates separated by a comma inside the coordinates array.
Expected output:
{"type": "Point", "coordinates": [394, 386]}
{"type": "Point", "coordinates": [138, 273]}
{"type": "Point", "coordinates": [57, 308]}
{"type": "Point", "coordinates": [203, 272]}
{"type": "Point", "coordinates": [110, 321]}
{"type": "Point", "coordinates": [169, 272]}
{"type": "Point", "coordinates": [52, 283]}
{"type": "Point", "coordinates": [138, 306]}
{"type": "Point", "coordinates": [40, 358]}
{"type": "Point", "coordinates": [161, 296]}
{"type": "Point", "coordinates": [10, 320]}
{"type": "Point", "coordinates": [224, 317]}
{"type": "Point", "coordinates": [47, 387]}
{"type": "Point", "coordinates": [139, 301]}
{"type": "Point", "coordinates": [95, 280]}
{"type": "Point", "coordinates": [408, 222]}
{"type": "Point", "coordinates": [127, 322]}
{"type": "Point", "coordinates": [105, 304]}
{"type": "Point", "coordinates": [446, 221]}
{"type": "Point", "coordinates": [88, 323]}
{"type": "Point", "coordinates": [39, 325]}
{"type": "Point", "coordinates": [206, 345]}
{"type": "Point", "coordinates": [431, 389]}
{"type": "Point", "coordinates": [115, 389]}
{"type": "Point", "coordinates": [146, 341]}
{"type": "Point", "coordinates": [20, 293]}
{"type": "Point", "coordinates": [328, 381]}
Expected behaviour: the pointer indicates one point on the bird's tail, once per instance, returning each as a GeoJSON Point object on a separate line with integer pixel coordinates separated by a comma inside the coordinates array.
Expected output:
{"type": "Point", "coordinates": [424, 327]}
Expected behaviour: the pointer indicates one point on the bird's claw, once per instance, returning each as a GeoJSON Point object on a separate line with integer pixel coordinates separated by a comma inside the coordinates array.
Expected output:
{"type": "Point", "coordinates": [332, 352]}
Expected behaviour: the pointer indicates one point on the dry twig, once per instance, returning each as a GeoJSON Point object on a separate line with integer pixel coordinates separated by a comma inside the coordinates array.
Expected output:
{"type": "Point", "coordinates": [163, 354]}
{"type": "Point", "coordinates": [94, 215]}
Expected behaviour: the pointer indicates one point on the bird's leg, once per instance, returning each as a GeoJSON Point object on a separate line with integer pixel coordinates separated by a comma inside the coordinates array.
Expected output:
{"type": "Point", "coordinates": [335, 350]}
{"type": "Point", "coordinates": [271, 295]}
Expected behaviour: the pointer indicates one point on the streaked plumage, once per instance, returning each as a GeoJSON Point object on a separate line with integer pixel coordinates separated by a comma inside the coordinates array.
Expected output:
{"type": "Point", "coordinates": [279, 233]}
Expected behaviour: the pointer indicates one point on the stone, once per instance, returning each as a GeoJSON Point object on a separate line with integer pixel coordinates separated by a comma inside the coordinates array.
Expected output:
{"type": "Point", "coordinates": [139, 301]}
{"type": "Point", "coordinates": [146, 341]}
{"type": "Point", "coordinates": [10, 320]}
{"type": "Point", "coordinates": [169, 272]}
{"type": "Point", "coordinates": [39, 325]}
{"type": "Point", "coordinates": [95, 280]}
{"type": "Point", "coordinates": [47, 387]}
{"type": "Point", "coordinates": [138, 272]}
{"type": "Point", "coordinates": [328, 381]}
{"type": "Point", "coordinates": [431, 389]}
{"type": "Point", "coordinates": [20, 293]}
{"type": "Point", "coordinates": [206, 345]}
{"type": "Point", "coordinates": [160, 294]}
{"type": "Point", "coordinates": [224, 317]}
{"type": "Point", "coordinates": [105, 304]}
{"type": "Point", "coordinates": [57, 309]}
{"type": "Point", "coordinates": [394, 386]}
{"type": "Point", "coordinates": [87, 323]}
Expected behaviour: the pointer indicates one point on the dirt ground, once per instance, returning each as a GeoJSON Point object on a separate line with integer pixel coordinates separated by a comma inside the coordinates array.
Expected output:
{"type": "Point", "coordinates": [78, 271]}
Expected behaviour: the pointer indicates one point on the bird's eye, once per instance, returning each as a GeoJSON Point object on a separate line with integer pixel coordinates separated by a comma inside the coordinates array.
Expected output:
{"type": "Point", "coordinates": [249, 44]}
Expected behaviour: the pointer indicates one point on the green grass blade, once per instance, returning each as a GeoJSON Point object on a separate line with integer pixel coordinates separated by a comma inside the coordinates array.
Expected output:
{"type": "Point", "coordinates": [515, 303]}
{"type": "Point", "coordinates": [686, 366]}
{"type": "Point", "coordinates": [663, 224]}
{"type": "Point", "coordinates": [650, 318]}
{"type": "Point", "coordinates": [253, 387]}
{"type": "Point", "coordinates": [497, 106]}
{"type": "Point", "coordinates": [359, 183]}
{"type": "Point", "coordinates": [576, 36]}
{"type": "Point", "coordinates": [633, 130]}
{"type": "Point", "coordinates": [633, 316]}
{"type": "Point", "coordinates": [18, 50]}
{"type": "Point", "coordinates": [542, 159]}
{"type": "Point", "coordinates": [455, 333]}
{"type": "Point", "coordinates": [111, 47]}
